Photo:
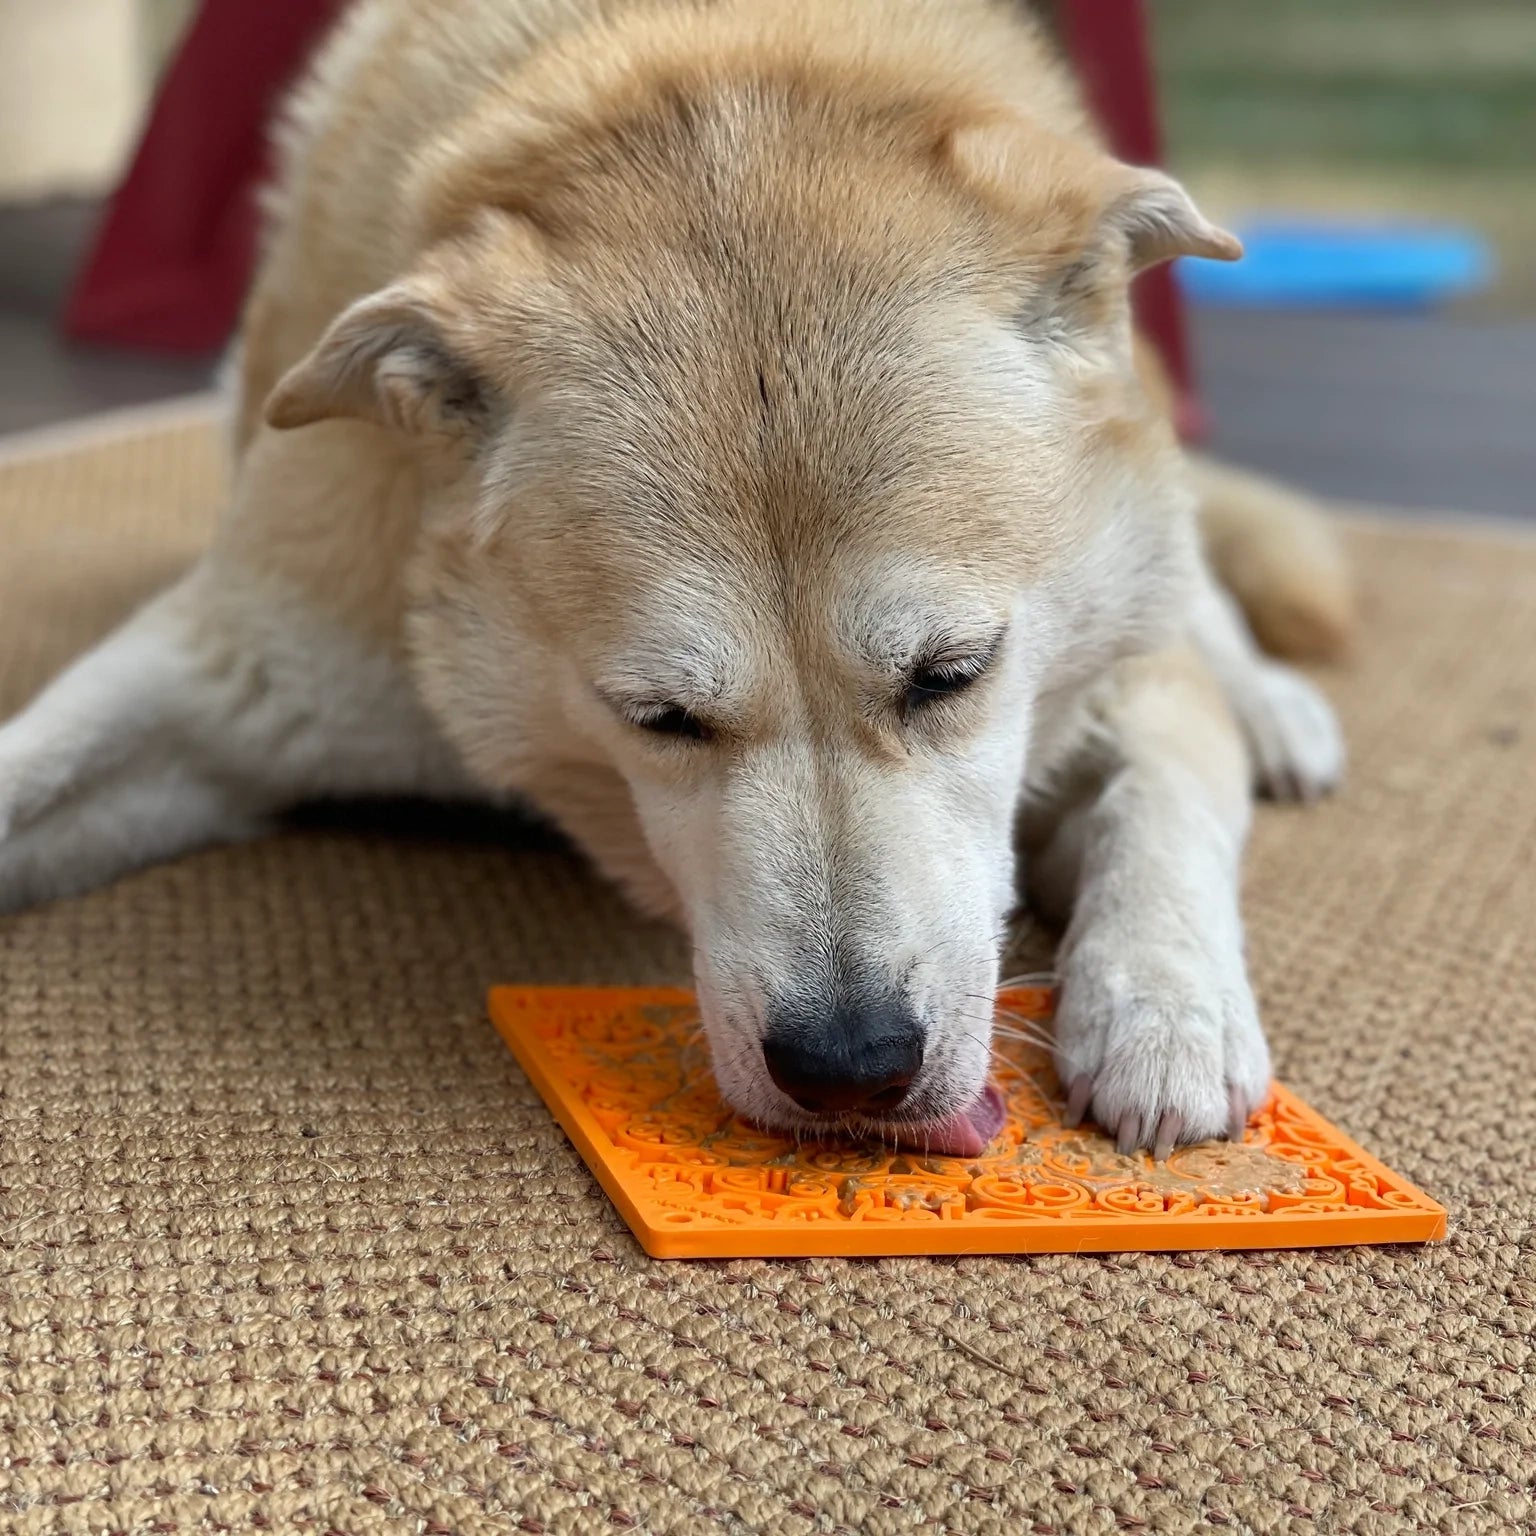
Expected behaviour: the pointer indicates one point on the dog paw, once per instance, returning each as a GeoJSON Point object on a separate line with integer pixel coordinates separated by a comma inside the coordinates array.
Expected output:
{"type": "Point", "coordinates": [10, 798]}
{"type": "Point", "coordinates": [27, 776]}
{"type": "Point", "coordinates": [1292, 733]}
{"type": "Point", "coordinates": [1161, 1051]}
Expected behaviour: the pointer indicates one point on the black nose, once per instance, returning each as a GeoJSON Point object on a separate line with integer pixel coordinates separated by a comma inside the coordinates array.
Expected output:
{"type": "Point", "coordinates": [859, 1058]}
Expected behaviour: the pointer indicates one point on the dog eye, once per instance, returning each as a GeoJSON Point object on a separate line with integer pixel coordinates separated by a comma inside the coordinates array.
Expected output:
{"type": "Point", "coordinates": [943, 679]}
{"type": "Point", "coordinates": [673, 720]}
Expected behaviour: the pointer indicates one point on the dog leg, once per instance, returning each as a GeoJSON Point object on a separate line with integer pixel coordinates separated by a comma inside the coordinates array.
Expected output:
{"type": "Point", "coordinates": [1280, 556]}
{"type": "Point", "coordinates": [213, 707]}
{"type": "Point", "coordinates": [1156, 1028]}
{"type": "Point", "coordinates": [592, 804]}
{"type": "Point", "coordinates": [1294, 741]}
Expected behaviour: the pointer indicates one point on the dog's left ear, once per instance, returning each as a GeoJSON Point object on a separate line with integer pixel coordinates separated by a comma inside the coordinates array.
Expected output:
{"type": "Point", "coordinates": [388, 359]}
{"type": "Point", "coordinates": [1071, 203]}
{"type": "Point", "coordinates": [1159, 221]}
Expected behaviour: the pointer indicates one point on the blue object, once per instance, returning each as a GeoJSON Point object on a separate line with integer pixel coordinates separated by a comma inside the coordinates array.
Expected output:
{"type": "Point", "coordinates": [1297, 264]}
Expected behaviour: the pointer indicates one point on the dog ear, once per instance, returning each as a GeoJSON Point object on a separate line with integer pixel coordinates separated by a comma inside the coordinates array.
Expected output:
{"type": "Point", "coordinates": [1158, 220]}
{"type": "Point", "coordinates": [387, 359]}
{"type": "Point", "coordinates": [1069, 203]}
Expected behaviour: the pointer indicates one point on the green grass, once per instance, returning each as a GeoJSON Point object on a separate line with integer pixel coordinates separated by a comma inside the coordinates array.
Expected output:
{"type": "Point", "coordinates": [1420, 108]}
{"type": "Point", "coordinates": [1438, 83]}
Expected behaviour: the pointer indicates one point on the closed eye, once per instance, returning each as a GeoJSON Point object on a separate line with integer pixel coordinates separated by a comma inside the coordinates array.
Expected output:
{"type": "Point", "coordinates": [943, 678]}
{"type": "Point", "coordinates": [671, 720]}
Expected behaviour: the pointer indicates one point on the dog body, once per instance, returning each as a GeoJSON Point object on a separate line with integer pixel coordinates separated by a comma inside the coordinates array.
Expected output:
{"type": "Point", "coordinates": [720, 425]}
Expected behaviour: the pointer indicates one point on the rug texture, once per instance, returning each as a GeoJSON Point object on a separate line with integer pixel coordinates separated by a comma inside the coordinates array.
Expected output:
{"type": "Point", "coordinates": [288, 1243]}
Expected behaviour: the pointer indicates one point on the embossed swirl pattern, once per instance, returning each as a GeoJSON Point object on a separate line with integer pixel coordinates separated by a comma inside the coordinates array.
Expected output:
{"type": "Point", "coordinates": [646, 1080]}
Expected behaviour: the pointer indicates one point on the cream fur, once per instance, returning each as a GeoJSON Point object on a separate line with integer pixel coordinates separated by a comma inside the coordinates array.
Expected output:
{"type": "Point", "coordinates": [609, 359]}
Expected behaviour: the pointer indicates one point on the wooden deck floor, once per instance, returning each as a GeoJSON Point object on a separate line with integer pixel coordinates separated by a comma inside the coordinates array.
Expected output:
{"type": "Point", "coordinates": [1424, 412]}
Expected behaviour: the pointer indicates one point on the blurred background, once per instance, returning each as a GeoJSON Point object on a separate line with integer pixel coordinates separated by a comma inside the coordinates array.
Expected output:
{"type": "Point", "coordinates": [1379, 344]}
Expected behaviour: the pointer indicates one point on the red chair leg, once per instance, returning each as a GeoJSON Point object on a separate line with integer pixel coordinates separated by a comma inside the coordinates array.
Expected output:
{"type": "Point", "coordinates": [174, 253]}
{"type": "Point", "coordinates": [1107, 41]}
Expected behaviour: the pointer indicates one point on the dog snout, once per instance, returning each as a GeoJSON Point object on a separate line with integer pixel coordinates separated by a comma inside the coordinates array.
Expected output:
{"type": "Point", "coordinates": [859, 1058]}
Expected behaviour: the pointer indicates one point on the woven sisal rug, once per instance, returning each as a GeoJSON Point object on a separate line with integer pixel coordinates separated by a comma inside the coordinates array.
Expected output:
{"type": "Point", "coordinates": [287, 1242]}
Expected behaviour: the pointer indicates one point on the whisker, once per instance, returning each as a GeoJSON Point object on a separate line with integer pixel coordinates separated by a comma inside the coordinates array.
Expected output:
{"type": "Point", "coordinates": [1024, 1031]}
{"type": "Point", "coordinates": [1020, 1018]}
{"type": "Point", "coordinates": [1057, 1101]}
{"type": "Point", "coordinates": [1040, 1042]}
{"type": "Point", "coordinates": [1011, 1026]}
{"type": "Point", "coordinates": [1029, 979]}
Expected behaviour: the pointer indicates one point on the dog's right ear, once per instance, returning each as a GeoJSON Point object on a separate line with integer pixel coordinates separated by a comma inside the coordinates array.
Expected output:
{"type": "Point", "coordinates": [389, 359]}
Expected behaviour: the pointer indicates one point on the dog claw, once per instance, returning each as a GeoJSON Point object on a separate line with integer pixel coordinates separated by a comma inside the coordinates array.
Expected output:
{"type": "Point", "coordinates": [1158, 1133]}
{"type": "Point", "coordinates": [1237, 1113]}
{"type": "Point", "coordinates": [1078, 1098]}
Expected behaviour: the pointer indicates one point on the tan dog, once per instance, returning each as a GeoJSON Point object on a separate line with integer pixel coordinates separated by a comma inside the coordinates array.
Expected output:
{"type": "Point", "coordinates": [718, 424]}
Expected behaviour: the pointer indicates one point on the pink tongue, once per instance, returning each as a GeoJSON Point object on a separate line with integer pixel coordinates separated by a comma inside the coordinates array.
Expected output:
{"type": "Point", "coordinates": [966, 1134]}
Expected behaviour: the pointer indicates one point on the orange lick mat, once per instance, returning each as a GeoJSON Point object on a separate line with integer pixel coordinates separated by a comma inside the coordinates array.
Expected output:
{"type": "Point", "coordinates": [626, 1073]}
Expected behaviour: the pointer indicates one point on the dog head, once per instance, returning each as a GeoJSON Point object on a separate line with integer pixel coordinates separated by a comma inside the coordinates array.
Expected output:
{"type": "Point", "coordinates": [784, 460]}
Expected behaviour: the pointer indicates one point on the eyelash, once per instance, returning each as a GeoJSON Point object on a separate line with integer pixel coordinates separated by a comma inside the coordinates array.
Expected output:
{"type": "Point", "coordinates": [944, 679]}
{"type": "Point", "coordinates": [673, 720]}
{"type": "Point", "coordinates": [926, 685]}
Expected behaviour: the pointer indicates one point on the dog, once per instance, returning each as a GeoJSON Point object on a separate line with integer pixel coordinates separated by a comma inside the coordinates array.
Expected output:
{"type": "Point", "coordinates": [719, 424]}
